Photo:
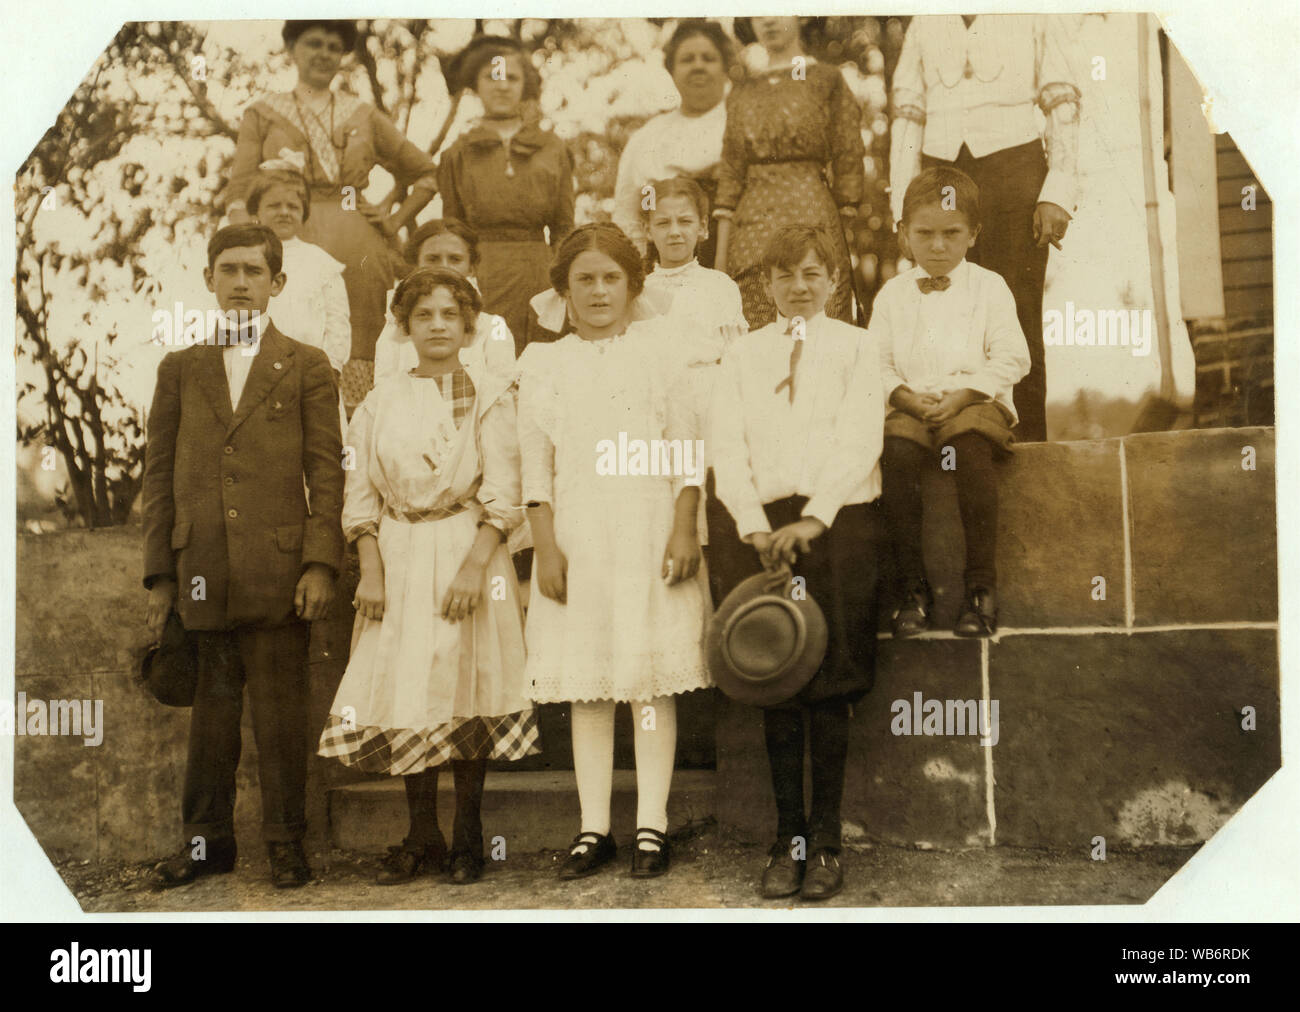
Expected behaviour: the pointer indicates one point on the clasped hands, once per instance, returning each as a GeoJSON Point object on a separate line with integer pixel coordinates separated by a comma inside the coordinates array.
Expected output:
{"type": "Point", "coordinates": [933, 409]}
{"type": "Point", "coordinates": [779, 550]}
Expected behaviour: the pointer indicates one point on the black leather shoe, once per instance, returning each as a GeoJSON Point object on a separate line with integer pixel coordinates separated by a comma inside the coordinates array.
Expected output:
{"type": "Point", "coordinates": [980, 616]}
{"type": "Point", "coordinates": [182, 869]}
{"type": "Point", "coordinates": [783, 875]}
{"type": "Point", "coordinates": [825, 876]}
{"type": "Point", "coordinates": [288, 865]}
{"type": "Point", "coordinates": [465, 868]}
{"type": "Point", "coordinates": [588, 853]}
{"type": "Point", "coordinates": [650, 863]}
{"type": "Point", "coordinates": [912, 617]}
{"type": "Point", "coordinates": [407, 861]}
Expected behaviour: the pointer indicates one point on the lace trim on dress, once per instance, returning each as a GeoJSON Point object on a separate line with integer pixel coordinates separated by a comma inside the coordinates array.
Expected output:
{"type": "Point", "coordinates": [550, 690]}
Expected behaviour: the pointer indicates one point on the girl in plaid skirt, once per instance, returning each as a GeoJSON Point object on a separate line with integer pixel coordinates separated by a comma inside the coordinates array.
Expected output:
{"type": "Point", "coordinates": [436, 670]}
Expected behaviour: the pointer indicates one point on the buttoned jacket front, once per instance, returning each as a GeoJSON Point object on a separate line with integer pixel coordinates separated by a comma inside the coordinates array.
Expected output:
{"type": "Point", "coordinates": [225, 508]}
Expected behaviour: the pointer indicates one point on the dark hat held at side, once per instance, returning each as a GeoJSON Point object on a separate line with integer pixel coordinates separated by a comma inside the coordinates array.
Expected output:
{"type": "Point", "coordinates": [169, 670]}
{"type": "Point", "coordinates": [765, 643]}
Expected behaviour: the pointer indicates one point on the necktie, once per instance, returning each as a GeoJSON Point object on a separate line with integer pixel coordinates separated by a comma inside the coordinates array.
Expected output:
{"type": "Point", "coordinates": [795, 352]}
{"type": "Point", "coordinates": [928, 285]}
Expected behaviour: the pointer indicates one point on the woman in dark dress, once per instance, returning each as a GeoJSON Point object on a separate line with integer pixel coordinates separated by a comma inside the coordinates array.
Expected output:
{"type": "Point", "coordinates": [340, 139]}
{"type": "Point", "coordinates": [509, 180]}
{"type": "Point", "coordinates": [792, 154]}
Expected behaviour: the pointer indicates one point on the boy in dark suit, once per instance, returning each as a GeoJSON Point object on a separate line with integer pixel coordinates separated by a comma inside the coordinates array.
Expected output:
{"type": "Point", "coordinates": [237, 425]}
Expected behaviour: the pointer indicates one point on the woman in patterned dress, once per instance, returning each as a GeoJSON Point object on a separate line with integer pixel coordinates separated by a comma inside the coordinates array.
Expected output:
{"type": "Point", "coordinates": [436, 672]}
{"type": "Point", "coordinates": [340, 138]}
{"type": "Point", "coordinates": [509, 180]}
{"type": "Point", "coordinates": [792, 154]}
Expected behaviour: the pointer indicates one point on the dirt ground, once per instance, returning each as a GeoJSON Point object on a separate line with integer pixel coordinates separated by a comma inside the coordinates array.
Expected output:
{"type": "Point", "coordinates": [707, 872]}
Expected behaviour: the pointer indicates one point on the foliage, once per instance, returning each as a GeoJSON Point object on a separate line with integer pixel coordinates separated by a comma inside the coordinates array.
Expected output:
{"type": "Point", "coordinates": [127, 182]}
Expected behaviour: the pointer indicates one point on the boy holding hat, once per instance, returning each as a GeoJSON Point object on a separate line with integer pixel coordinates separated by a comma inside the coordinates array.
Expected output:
{"type": "Point", "coordinates": [243, 428]}
{"type": "Point", "coordinates": [797, 430]}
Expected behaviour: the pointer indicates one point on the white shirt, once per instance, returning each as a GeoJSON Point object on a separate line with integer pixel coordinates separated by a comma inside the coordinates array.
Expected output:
{"type": "Point", "coordinates": [670, 144]}
{"type": "Point", "coordinates": [705, 304]}
{"type": "Point", "coordinates": [238, 358]}
{"type": "Point", "coordinates": [313, 305]}
{"type": "Point", "coordinates": [825, 444]}
{"type": "Point", "coordinates": [707, 315]}
{"type": "Point", "coordinates": [980, 86]}
{"type": "Point", "coordinates": [967, 337]}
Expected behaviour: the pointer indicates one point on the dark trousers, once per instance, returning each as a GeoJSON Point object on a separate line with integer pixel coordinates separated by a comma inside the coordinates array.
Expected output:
{"type": "Point", "coordinates": [1009, 182]}
{"type": "Point", "coordinates": [902, 464]}
{"type": "Point", "coordinates": [828, 744]}
{"type": "Point", "coordinates": [422, 799]}
{"type": "Point", "coordinates": [272, 665]}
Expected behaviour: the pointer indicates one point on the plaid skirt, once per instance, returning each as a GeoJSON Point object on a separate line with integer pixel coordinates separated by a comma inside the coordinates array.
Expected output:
{"type": "Point", "coordinates": [401, 751]}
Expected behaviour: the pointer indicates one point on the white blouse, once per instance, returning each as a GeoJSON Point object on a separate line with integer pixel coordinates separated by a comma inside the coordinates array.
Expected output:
{"type": "Point", "coordinates": [670, 144]}
{"type": "Point", "coordinates": [967, 337]}
{"type": "Point", "coordinates": [313, 305]}
{"type": "Point", "coordinates": [410, 456]}
{"type": "Point", "coordinates": [982, 86]}
{"type": "Point", "coordinates": [574, 394]}
{"type": "Point", "coordinates": [825, 444]}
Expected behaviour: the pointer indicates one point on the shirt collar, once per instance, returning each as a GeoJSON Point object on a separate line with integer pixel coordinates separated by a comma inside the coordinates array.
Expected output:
{"type": "Point", "coordinates": [689, 267]}
{"type": "Point", "coordinates": [784, 323]}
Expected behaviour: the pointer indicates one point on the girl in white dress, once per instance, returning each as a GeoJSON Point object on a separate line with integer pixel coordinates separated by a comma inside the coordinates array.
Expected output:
{"type": "Point", "coordinates": [436, 673]}
{"type": "Point", "coordinates": [704, 305]}
{"type": "Point", "coordinates": [313, 305]}
{"type": "Point", "coordinates": [449, 243]}
{"type": "Point", "coordinates": [618, 600]}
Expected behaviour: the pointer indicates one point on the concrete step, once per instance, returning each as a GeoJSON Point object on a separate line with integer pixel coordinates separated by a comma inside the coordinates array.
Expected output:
{"type": "Point", "coordinates": [532, 811]}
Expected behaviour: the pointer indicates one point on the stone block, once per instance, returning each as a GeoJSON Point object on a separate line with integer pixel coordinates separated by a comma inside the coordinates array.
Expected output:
{"type": "Point", "coordinates": [917, 789]}
{"type": "Point", "coordinates": [1060, 524]}
{"type": "Point", "coordinates": [140, 770]}
{"type": "Point", "coordinates": [1134, 737]}
{"type": "Point", "coordinates": [908, 790]}
{"type": "Point", "coordinates": [79, 602]}
{"type": "Point", "coordinates": [54, 775]}
{"type": "Point", "coordinates": [1204, 530]}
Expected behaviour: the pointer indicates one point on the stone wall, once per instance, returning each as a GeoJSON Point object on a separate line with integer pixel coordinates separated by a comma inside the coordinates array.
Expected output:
{"type": "Point", "coordinates": [1121, 718]}
{"type": "Point", "coordinates": [1117, 717]}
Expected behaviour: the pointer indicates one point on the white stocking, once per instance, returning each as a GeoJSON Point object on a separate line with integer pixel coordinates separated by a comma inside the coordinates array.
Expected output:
{"type": "Point", "coordinates": [593, 761]}
{"type": "Point", "coordinates": [654, 735]}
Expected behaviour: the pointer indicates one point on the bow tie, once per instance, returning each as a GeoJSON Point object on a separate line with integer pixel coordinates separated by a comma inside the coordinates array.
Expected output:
{"type": "Point", "coordinates": [229, 337]}
{"type": "Point", "coordinates": [928, 285]}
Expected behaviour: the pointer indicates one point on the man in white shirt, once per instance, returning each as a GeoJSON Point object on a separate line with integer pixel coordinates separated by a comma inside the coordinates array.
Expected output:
{"type": "Point", "coordinates": [967, 92]}
{"type": "Point", "coordinates": [797, 425]}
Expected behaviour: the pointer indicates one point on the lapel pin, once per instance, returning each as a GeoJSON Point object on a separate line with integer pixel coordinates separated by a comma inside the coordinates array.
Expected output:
{"type": "Point", "coordinates": [278, 365]}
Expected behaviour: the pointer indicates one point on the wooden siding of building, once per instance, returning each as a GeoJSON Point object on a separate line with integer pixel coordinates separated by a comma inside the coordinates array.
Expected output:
{"type": "Point", "coordinates": [1246, 238]}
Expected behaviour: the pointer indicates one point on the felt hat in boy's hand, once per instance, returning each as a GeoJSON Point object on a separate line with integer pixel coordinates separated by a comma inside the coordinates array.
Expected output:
{"type": "Point", "coordinates": [765, 644]}
{"type": "Point", "coordinates": [169, 669]}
